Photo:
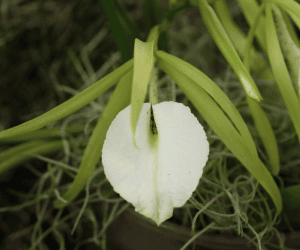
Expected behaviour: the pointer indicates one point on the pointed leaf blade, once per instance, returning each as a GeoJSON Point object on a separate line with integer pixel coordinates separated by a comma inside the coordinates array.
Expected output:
{"type": "Point", "coordinates": [70, 106]}
{"type": "Point", "coordinates": [220, 124]}
{"type": "Point", "coordinates": [223, 42]}
{"type": "Point", "coordinates": [280, 71]}
{"type": "Point", "coordinates": [119, 100]}
{"type": "Point", "coordinates": [143, 64]}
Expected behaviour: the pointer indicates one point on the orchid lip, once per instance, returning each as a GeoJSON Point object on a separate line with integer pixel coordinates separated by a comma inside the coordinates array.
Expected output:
{"type": "Point", "coordinates": [163, 173]}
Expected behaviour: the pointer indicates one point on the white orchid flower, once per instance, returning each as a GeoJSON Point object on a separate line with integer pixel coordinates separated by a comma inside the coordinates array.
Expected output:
{"type": "Point", "coordinates": [165, 169]}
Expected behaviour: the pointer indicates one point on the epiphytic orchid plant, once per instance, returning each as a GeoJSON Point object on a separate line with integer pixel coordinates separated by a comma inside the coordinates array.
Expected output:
{"type": "Point", "coordinates": [154, 153]}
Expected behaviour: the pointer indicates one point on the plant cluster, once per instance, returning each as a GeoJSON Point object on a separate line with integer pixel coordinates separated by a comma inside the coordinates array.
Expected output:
{"type": "Point", "coordinates": [249, 110]}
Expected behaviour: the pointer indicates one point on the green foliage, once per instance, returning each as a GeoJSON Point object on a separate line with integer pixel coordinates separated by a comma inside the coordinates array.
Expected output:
{"type": "Point", "coordinates": [250, 113]}
{"type": "Point", "coordinates": [123, 28]}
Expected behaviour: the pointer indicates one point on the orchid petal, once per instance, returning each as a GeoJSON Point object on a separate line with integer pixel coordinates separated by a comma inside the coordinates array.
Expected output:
{"type": "Point", "coordinates": [165, 170]}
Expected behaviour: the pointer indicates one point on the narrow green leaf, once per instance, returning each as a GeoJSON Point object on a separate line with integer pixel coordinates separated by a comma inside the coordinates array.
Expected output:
{"type": "Point", "coordinates": [265, 131]}
{"type": "Point", "coordinates": [250, 9]}
{"type": "Point", "coordinates": [291, 29]}
{"type": "Point", "coordinates": [117, 102]}
{"type": "Point", "coordinates": [250, 37]}
{"type": "Point", "coordinates": [143, 64]}
{"type": "Point", "coordinates": [258, 65]}
{"type": "Point", "coordinates": [292, 7]}
{"type": "Point", "coordinates": [153, 12]}
{"type": "Point", "coordinates": [123, 28]}
{"type": "Point", "coordinates": [261, 121]}
{"type": "Point", "coordinates": [153, 36]}
{"type": "Point", "coordinates": [72, 105]}
{"type": "Point", "coordinates": [175, 7]}
{"type": "Point", "coordinates": [291, 197]}
{"type": "Point", "coordinates": [291, 202]}
{"type": "Point", "coordinates": [280, 71]}
{"type": "Point", "coordinates": [223, 42]}
{"type": "Point", "coordinates": [17, 155]}
{"type": "Point", "coordinates": [17, 149]}
{"type": "Point", "coordinates": [214, 90]}
{"type": "Point", "coordinates": [220, 124]}
{"type": "Point", "coordinates": [291, 50]}
{"type": "Point", "coordinates": [43, 134]}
